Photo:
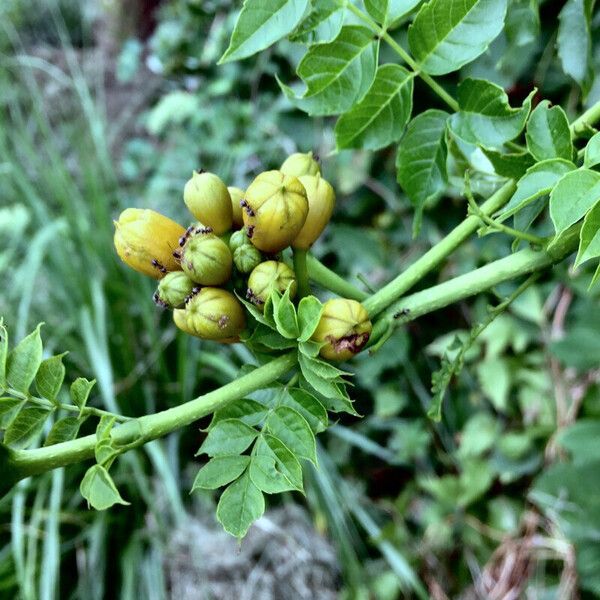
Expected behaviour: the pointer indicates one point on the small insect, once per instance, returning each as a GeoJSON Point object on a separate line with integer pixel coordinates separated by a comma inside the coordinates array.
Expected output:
{"type": "Point", "coordinates": [158, 266]}
{"type": "Point", "coordinates": [158, 301]}
{"type": "Point", "coordinates": [186, 236]}
{"type": "Point", "coordinates": [176, 254]}
{"type": "Point", "coordinates": [250, 231]}
{"type": "Point", "coordinates": [247, 208]}
{"type": "Point", "coordinates": [195, 290]}
{"type": "Point", "coordinates": [203, 230]}
{"type": "Point", "coordinates": [404, 312]}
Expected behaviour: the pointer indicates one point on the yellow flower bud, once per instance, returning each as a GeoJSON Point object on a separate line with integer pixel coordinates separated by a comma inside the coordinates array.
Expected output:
{"type": "Point", "coordinates": [275, 209]}
{"type": "Point", "coordinates": [145, 240]}
{"type": "Point", "coordinates": [212, 314]}
{"type": "Point", "coordinates": [344, 327]}
{"type": "Point", "coordinates": [206, 259]}
{"type": "Point", "coordinates": [321, 200]}
{"type": "Point", "coordinates": [268, 276]}
{"type": "Point", "coordinates": [237, 196]}
{"type": "Point", "coordinates": [299, 164]}
{"type": "Point", "coordinates": [173, 290]}
{"type": "Point", "coordinates": [207, 198]}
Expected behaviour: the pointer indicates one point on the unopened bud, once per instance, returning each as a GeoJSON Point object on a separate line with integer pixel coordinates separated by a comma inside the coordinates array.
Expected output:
{"type": "Point", "coordinates": [206, 259]}
{"type": "Point", "coordinates": [207, 198]}
{"type": "Point", "coordinates": [145, 239]}
{"type": "Point", "coordinates": [344, 328]}
{"type": "Point", "coordinates": [299, 164]}
{"type": "Point", "coordinates": [212, 314]}
{"type": "Point", "coordinates": [268, 276]}
{"type": "Point", "coordinates": [246, 258]}
{"type": "Point", "coordinates": [237, 195]}
{"type": "Point", "coordinates": [321, 200]}
{"type": "Point", "coordinates": [173, 290]}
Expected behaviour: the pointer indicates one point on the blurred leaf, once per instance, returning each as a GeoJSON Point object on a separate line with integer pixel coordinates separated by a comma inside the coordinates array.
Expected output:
{"type": "Point", "coordinates": [323, 23]}
{"type": "Point", "coordinates": [380, 117]}
{"type": "Point", "coordinates": [63, 430]}
{"type": "Point", "coordinates": [28, 423]}
{"type": "Point", "coordinates": [98, 488]}
{"type": "Point", "coordinates": [447, 34]}
{"type": "Point", "coordinates": [485, 116]}
{"type": "Point", "coordinates": [50, 376]}
{"type": "Point", "coordinates": [24, 360]}
{"type": "Point", "coordinates": [308, 406]}
{"type": "Point", "coordinates": [478, 435]}
{"type": "Point", "coordinates": [574, 42]}
{"type": "Point", "coordinates": [230, 436]}
{"type": "Point", "coordinates": [512, 166]}
{"type": "Point", "coordinates": [262, 23]}
{"type": "Point", "coordinates": [246, 410]}
{"type": "Point", "coordinates": [494, 377]}
{"type": "Point", "coordinates": [572, 197]}
{"type": "Point", "coordinates": [539, 180]}
{"type": "Point", "coordinates": [522, 22]}
{"type": "Point", "coordinates": [309, 314]}
{"type": "Point", "coordinates": [581, 440]}
{"type": "Point", "coordinates": [388, 11]}
{"type": "Point", "coordinates": [337, 74]}
{"type": "Point", "coordinates": [548, 134]}
{"type": "Point", "coordinates": [80, 392]}
{"type": "Point", "coordinates": [293, 430]}
{"type": "Point", "coordinates": [592, 152]}
{"type": "Point", "coordinates": [240, 505]}
{"type": "Point", "coordinates": [421, 159]}
{"type": "Point", "coordinates": [220, 471]}
{"type": "Point", "coordinates": [589, 244]}
{"type": "Point", "coordinates": [176, 107]}
{"type": "Point", "coordinates": [579, 348]}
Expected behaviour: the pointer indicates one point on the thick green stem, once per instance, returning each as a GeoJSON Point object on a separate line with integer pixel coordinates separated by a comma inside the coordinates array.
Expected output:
{"type": "Point", "coordinates": [477, 281]}
{"type": "Point", "coordinates": [433, 257]}
{"type": "Point", "coordinates": [139, 431]}
{"type": "Point", "coordinates": [326, 278]}
{"type": "Point", "coordinates": [301, 272]}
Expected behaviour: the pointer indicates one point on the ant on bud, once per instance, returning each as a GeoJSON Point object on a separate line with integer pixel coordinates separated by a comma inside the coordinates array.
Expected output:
{"type": "Point", "coordinates": [158, 266]}
{"type": "Point", "coordinates": [247, 208]}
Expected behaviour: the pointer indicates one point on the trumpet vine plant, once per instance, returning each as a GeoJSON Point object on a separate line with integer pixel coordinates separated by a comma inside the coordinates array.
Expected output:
{"type": "Point", "coordinates": [232, 278]}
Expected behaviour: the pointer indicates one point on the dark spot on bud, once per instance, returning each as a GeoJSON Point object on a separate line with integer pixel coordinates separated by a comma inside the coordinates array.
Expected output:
{"type": "Point", "coordinates": [223, 321]}
{"type": "Point", "coordinates": [250, 231]}
{"type": "Point", "coordinates": [253, 298]}
{"type": "Point", "coordinates": [158, 266]}
{"type": "Point", "coordinates": [354, 342]}
{"type": "Point", "coordinates": [176, 255]}
{"type": "Point", "coordinates": [247, 208]}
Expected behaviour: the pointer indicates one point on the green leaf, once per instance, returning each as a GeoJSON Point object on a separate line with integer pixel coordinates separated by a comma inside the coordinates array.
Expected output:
{"type": "Point", "coordinates": [294, 431]}
{"type": "Point", "coordinates": [310, 349]}
{"type": "Point", "coordinates": [323, 23]}
{"type": "Point", "coordinates": [257, 313]}
{"type": "Point", "coordinates": [285, 316]}
{"type": "Point", "coordinates": [63, 430]}
{"type": "Point", "coordinates": [572, 197]}
{"type": "Point", "coordinates": [589, 242]}
{"type": "Point", "coordinates": [380, 117]}
{"type": "Point", "coordinates": [485, 117]}
{"type": "Point", "coordinates": [592, 153]}
{"type": "Point", "coordinates": [8, 405]}
{"type": "Point", "coordinates": [220, 471]}
{"type": "Point", "coordinates": [309, 314]}
{"type": "Point", "coordinates": [277, 469]}
{"type": "Point", "coordinates": [231, 436]}
{"type": "Point", "coordinates": [25, 426]}
{"type": "Point", "coordinates": [512, 166]}
{"type": "Point", "coordinates": [581, 440]}
{"type": "Point", "coordinates": [3, 354]}
{"type": "Point", "coordinates": [522, 24]}
{"type": "Point", "coordinates": [80, 392]}
{"type": "Point", "coordinates": [574, 42]}
{"type": "Point", "coordinates": [538, 181]}
{"type": "Point", "coordinates": [262, 23]}
{"type": "Point", "coordinates": [308, 406]}
{"type": "Point", "coordinates": [105, 452]}
{"type": "Point", "coordinates": [98, 488]}
{"type": "Point", "coordinates": [321, 368]}
{"type": "Point", "coordinates": [240, 505]}
{"type": "Point", "coordinates": [334, 394]}
{"type": "Point", "coordinates": [337, 74]}
{"type": "Point", "coordinates": [24, 360]}
{"type": "Point", "coordinates": [548, 134]}
{"type": "Point", "coordinates": [421, 159]}
{"type": "Point", "coordinates": [246, 410]}
{"type": "Point", "coordinates": [273, 340]}
{"type": "Point", "coordinates": [50, 376]}
{"type": "Point", "coordinates": [447, 34]}
{"type": "Point", "coordinates": [388, 11]}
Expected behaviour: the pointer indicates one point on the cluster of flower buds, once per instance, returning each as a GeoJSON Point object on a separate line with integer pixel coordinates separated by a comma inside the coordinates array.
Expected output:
{"type": "Point", "coordinates": [236, 246]}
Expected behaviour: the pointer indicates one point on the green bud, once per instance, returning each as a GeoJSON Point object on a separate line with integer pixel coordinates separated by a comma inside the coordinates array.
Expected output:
{"type": "Point", "coordinates": [321, 200]}
{"type": "Point", "coordinates": [206, 259]}
{"type": "Point", "coordinates": [237, 239]}
{"type": "Point", "coordinates": [344, 329]}
{"type": "Point", "coordinates": [275, 209]}
{"type": "Point", "coordinates": [208, 199]}
{"type": "Point", "coordinates": [268, 276]}
{"type": "Point", "coordinates": [237, 195]}
{"type": "Point", "coordinates": [173, 289]}
{"type": "Point", "coordinates": [212, 314]}
{"type": "Point", "coordinates": [246, 258]}
{"type": "Point", "coordinates": [299, 164]}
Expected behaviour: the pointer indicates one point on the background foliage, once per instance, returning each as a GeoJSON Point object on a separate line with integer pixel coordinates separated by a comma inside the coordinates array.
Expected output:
{"type": "Point", "coordinates": [101, 109]}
